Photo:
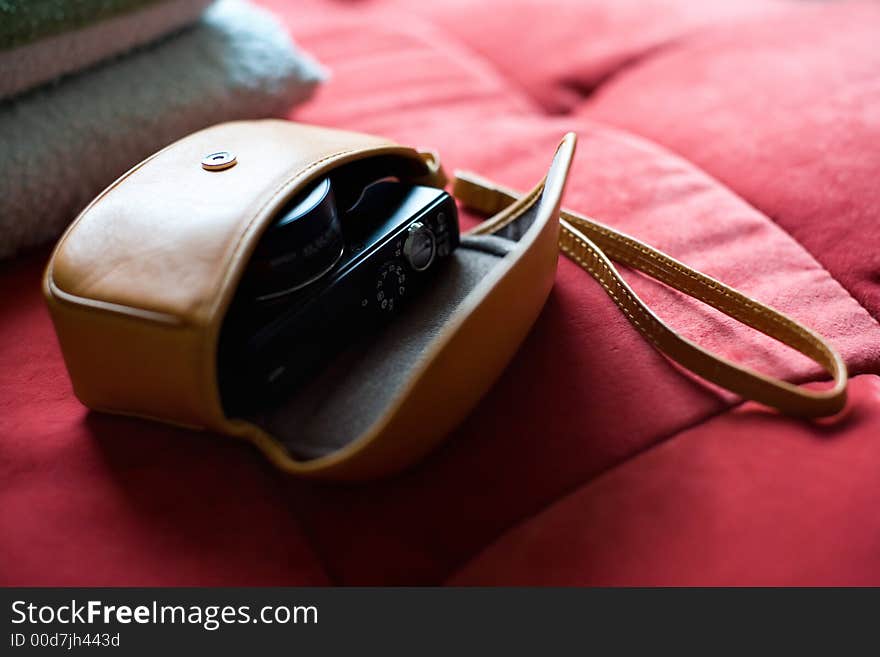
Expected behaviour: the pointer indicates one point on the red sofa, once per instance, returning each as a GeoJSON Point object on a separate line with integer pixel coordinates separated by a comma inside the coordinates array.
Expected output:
{"type": "Point", "coordinates": [741, 137]}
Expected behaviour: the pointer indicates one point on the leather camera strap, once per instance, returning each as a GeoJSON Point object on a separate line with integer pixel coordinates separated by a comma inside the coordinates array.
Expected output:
{"type": "Point", "coordinates": [594, 246]}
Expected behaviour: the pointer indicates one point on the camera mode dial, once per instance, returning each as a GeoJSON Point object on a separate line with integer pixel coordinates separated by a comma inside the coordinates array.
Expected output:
{"type": "Point", "coordinates": [390, 285]}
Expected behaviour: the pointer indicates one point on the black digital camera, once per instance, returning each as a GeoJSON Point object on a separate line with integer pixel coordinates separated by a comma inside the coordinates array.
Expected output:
{"type": "Point", "coordinates": [336, 264]}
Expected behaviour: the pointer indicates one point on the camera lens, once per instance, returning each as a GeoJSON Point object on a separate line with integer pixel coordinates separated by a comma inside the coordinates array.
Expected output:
{"type": "Point", "coordinates": [303, 244]}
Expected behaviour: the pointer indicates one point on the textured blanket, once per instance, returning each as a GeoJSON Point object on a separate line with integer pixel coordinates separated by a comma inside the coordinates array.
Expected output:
{"type": "Point", "coordinates": [41, 41]}
{"type": "Point", "coordinates": [61, 145]}
{"type": "Point", "coordinates": [25, 21]}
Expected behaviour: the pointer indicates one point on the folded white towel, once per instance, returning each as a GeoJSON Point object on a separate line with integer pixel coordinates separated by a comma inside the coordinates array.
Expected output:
{"type": "Point", "coordinates": [60, 145]}
{"type": "Point", "coordinates": [33, 63]}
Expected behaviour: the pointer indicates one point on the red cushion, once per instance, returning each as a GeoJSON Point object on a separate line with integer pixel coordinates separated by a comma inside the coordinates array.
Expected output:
{"type": "Point", "coordinates": [795, 128]}
{"type": "Point", "coordinates": [593, 459]}
{"type": "Point", "coordinates": [745, 498]}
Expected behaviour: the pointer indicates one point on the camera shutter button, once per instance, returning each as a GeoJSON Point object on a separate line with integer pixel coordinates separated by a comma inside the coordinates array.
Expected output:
{"type": "Point", "coordinates": [420, 246]}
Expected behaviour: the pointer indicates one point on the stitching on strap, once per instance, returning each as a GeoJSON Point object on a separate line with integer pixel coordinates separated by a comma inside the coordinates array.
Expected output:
{"type": "Point", "coordinates": [594, 258]}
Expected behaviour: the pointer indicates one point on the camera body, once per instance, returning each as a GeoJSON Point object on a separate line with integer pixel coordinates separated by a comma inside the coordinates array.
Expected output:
{"type": "Point", "coordinates": [322, 277]}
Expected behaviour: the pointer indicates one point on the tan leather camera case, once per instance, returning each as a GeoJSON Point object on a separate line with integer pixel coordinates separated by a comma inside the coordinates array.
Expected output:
{"type": "Point", "coordinates": [139, 285]}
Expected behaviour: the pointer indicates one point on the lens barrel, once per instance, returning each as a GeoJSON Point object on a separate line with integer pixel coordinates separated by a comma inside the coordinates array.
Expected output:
{"type": "Point", "coordinates": [300, 246]}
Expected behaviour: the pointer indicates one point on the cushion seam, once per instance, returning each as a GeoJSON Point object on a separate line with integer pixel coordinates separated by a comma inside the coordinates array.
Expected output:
{"type": "Point", "coordinates": [589, 480]}
{"type": "Point", "coordinates": [629, 133]}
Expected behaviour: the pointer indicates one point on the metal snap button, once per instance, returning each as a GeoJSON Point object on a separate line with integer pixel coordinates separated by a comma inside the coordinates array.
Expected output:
{"type": "Point", "coordinates": [218, 161]}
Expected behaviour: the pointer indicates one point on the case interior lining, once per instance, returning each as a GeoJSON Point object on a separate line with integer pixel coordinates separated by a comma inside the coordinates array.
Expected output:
{"type": "Point", "coordinates": [353, 391]}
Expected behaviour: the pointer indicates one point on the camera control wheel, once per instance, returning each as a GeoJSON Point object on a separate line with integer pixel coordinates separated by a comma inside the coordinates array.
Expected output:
{"type": "Point", "coordinates": [420, 246]}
